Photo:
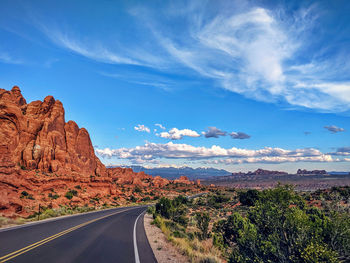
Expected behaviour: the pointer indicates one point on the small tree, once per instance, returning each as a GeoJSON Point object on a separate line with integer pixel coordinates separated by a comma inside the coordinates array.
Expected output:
{"type": "Point", "coordinates": [249, 198]}
{"type": "Point", "coordinates": [203, 220]}
{"type": "Point", "coordinates": [164, 207]}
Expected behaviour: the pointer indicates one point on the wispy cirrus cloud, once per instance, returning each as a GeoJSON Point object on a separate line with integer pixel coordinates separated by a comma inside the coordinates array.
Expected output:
{"type": "Point", "coordinates": [6, 58]}
{"type": "Point", "coordinates": [265, 53]}
{"type": "Point", "coordinates": [259, 53]}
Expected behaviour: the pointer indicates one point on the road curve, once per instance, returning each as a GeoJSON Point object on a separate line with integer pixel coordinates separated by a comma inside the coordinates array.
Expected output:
{"type": "Point", "coordinates": [114, 235]}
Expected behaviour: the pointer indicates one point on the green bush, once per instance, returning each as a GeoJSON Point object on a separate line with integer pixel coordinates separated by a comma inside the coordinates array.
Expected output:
{"type": "Point", "coordinates": [249, 197]}
{"type": "Point", "coordinates": [69, 195]}
{"type": "Point", "coordinates": [164, 207]}
{"type": "Point", "coordinates": [203, 220]}
{"type": "Point", "coordinates": [53, 196]}
{"type": "Point", "coordinates": [133, 199]}
{"type": "Point", "coordinates": [151, 210]}
{"type": "Point", "coordinates": [280, 228]}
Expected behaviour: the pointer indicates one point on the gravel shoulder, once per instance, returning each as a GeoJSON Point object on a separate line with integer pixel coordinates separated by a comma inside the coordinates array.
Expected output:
{"type": "Point", "coordinates": [163, 250]}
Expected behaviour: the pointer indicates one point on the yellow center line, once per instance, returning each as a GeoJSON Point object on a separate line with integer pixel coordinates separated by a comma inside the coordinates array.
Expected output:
{"type": "Point", "coordinates": [50, 238]}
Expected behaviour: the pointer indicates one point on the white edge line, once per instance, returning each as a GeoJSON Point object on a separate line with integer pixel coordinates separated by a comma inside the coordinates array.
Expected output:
{"type": "Point", "coordinates": [137, 258]}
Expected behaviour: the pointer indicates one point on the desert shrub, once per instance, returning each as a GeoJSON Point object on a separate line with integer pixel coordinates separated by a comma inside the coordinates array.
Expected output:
{"type": "Point", "coordinates": [26, 195]}
{"type": "Point", "coordinates": [203, 220]}
{"type": "Point", "coordinates": [138, 190]}
{"type": "Point", "coordinates": [164, 207]}
{"type": "Point", "coordinates": [216, 201]}
{"type": "Point", "coordinates": [69, 195]}
{"type": "Point", "coordinates": [179, 215]}
{"type": "Point", "coordinates": [53, 196]}
{"type": "Point", "coordinates": [145, 199]}
{"type": "Point", "coordinates": [280, 228]}
{"type": "Point", "coordinates": [133, 199]}
{"type": "Point", "coordinates": [151, 210]}
{"type": "Point", "coordinates": [249, 197]}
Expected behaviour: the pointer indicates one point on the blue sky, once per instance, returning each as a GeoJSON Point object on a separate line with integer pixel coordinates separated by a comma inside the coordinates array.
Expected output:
{"type": "Point", "coordinates": [233, 84]}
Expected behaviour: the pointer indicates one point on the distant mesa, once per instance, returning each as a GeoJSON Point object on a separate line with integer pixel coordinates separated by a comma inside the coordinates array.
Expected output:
{"type": "Point", "coordinates": [262, 172]}
{"type": "Point", "coordinates": [259, 172]}
{"type": "Point", "coordinates": [312, 172]}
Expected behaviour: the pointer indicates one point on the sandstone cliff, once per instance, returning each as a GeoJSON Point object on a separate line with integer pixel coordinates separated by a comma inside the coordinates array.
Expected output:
{"type": "Point", "coordinates": [36, 136]}
{"type": "Point", "coordinates": [46, 161]}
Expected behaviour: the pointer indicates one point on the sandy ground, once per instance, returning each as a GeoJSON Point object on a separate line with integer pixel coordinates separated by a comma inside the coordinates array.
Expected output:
{"type": "Point", "coordinates": [162, 248]}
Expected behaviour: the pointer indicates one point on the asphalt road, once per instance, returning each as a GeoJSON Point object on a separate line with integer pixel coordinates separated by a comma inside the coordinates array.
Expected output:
{"type": "Point", "coordinates": [115, 235]}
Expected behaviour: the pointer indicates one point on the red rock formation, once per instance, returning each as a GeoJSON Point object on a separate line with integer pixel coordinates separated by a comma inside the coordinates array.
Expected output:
{"type": "Point", "coordinates": [43, 159]}
{"type": "Point", "coordinates": [183, 180]}
{"type": "Point", "coordinates": [36, 136]}
{"type": "Point", "coordinates": [159, 182]}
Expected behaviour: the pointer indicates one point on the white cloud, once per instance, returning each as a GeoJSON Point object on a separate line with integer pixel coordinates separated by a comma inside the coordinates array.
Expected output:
{"type": "Point", "coordinates": [176, 134]}
{"type": "Point", "coordinates": [334, 129]}
{"type": "Point", "coordinates": [151, 151]}
{"type": "Point", "coordinates": [342, 151]}
{"type": "Point", "coordinates": [264, 54]}
{"type": "Point", "coordinates": [275, 160]}
{"type": "Point", "coordinates": [142, 128]}
{"type": "Point", "coordinates": [160, 126]}
{"type": "Point", "coordinates": [256, 52]}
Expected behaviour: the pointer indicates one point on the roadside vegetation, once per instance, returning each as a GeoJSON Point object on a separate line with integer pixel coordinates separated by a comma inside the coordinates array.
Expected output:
{"type": "Point", "coordinates": [274, 225]}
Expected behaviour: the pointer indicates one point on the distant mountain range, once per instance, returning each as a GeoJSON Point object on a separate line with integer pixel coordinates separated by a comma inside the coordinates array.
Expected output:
{"type": "Point", "coordinates": [173, 172]}
{"type": "Point", "coordinates": [218, 174]}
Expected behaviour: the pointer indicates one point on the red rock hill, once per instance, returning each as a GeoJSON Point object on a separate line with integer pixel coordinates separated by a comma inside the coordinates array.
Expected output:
{"type": "Point", "coordinates": [46, 161]}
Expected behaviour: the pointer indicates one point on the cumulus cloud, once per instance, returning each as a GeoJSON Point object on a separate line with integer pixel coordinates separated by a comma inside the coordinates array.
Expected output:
{"type": "Point", "coordinates": [342, 151]}
{"type": "Point", "coordinates": [160, 126]}
{"type": "Point", "coordinates": [274, 160]}
{"type": "Point", "coordinates": [171, 150]}
{"type": "Point", "coordinates": [214, 132]}
{"type": "Point", "coordinates": [334, 129]}
{"type": "Point", "coordinates": [239, 135]}
{"type": "Point", "coordinates": [142, 128]}
{"type": "Point", "coordinates": [176, 134]}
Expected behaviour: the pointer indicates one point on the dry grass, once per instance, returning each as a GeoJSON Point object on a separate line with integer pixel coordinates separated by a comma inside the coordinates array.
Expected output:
{"type": "Point", "coordinates": [6, 222]}
{"type": "Point", "coordinates": [197, 251]}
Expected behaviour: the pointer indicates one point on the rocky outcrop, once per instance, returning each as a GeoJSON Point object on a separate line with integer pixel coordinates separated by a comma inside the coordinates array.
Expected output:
{"type": "Point", "coordinates": [36, 136]}
{"type": "Point", "coordinates": [183, 180]}
{"type": "Point", "coordinates": [45, 160]}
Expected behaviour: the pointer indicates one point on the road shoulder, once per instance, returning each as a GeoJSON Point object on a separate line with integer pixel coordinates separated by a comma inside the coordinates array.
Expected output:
{"type": "Point", "coordinates": [163, 250]}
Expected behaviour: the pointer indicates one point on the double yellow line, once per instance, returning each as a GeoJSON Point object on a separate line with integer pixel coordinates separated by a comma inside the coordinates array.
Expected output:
{"type": "Point", "coordinates": [48, 239]}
